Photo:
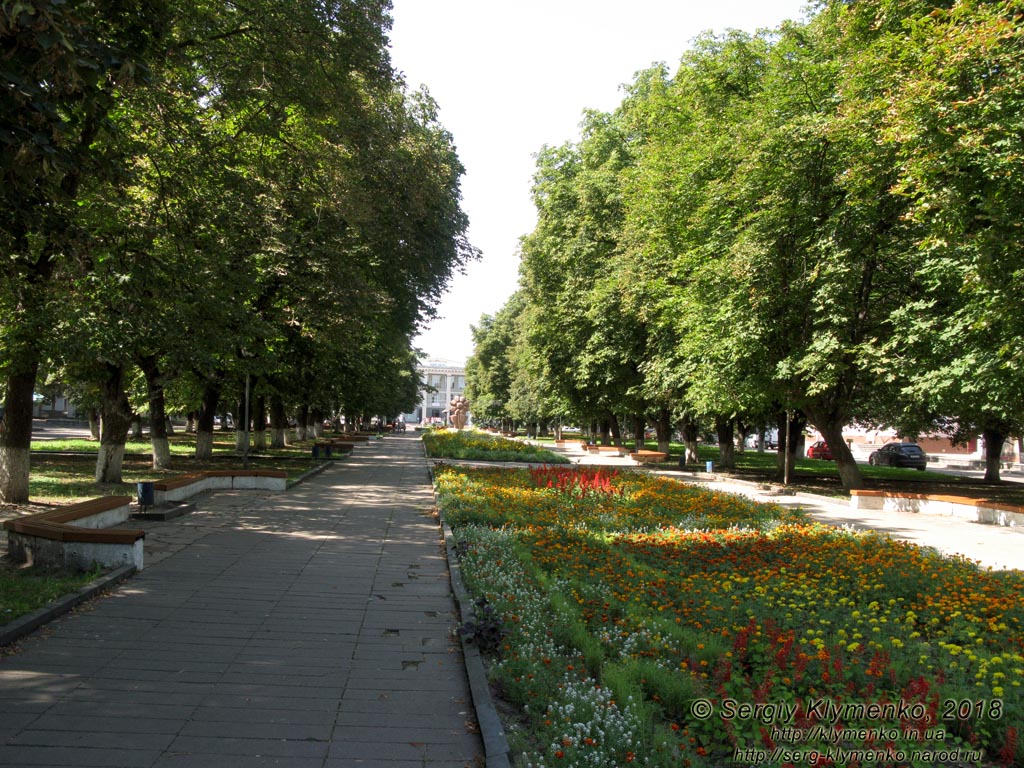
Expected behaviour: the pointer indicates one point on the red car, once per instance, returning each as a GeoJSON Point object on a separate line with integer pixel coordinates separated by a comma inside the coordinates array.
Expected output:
{"type": "Point", "coordinates": [820, 450]}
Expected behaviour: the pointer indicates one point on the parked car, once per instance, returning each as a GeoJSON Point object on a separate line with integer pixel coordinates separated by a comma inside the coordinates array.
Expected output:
{"type": "Point", "coordinates": [899, 455]}
{"type": "Point", "coordinates": [820, 450]}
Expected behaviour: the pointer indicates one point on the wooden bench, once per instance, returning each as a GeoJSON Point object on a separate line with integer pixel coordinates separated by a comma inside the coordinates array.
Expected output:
{"type": "Point", "coordinates": [181, 487]}
{"type": "Point", "coordinates": [332, 445]}
{"type": "Point", "coordinates": [649, 457]}
{"type": "Point", "coordinates": [342, 439]}
{"type": "Point", "coordinates": [77, 535]}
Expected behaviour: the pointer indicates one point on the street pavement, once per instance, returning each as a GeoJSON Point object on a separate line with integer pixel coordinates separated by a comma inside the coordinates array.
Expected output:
{"type": "Point", "coordinates": [312, 627]}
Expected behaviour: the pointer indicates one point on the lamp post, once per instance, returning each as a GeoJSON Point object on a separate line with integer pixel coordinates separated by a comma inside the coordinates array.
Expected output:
{"type": "Point", "coordinates": [246, 355]}
{"type": "Point", "coordinates": [786, 459]}
{"type": "Point", "coordinates": [245, 451]}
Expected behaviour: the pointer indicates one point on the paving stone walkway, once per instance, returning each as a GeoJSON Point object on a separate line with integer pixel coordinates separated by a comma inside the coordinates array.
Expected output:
{"type": "Point", "coordinates": [307, 628]}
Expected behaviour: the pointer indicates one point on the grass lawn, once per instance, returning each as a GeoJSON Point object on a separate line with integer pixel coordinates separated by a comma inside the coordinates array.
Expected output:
{"type": "Point", "coordinates": [63, 470]}
{"type": "Point", "coordinates": [23, 590]}
{"type": "Point", "coordinates": [629, 618]}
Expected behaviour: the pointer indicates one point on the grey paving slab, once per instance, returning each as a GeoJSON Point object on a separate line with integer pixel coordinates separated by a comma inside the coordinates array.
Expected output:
{"type": "Point", "coordinates": [312, 627]}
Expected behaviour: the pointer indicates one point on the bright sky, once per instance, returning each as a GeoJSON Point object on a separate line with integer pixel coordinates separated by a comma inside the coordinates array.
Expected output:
{"type": "Point", "coordinates": [511, 77]}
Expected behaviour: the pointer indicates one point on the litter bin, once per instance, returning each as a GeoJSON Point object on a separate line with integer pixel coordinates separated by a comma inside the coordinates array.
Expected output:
{"type": "Point", "coordinates": [147, 496]}
{"type": "Point", "coordinates": [316, 451]}
{"type": "Point", "coordinates": [709, 466]}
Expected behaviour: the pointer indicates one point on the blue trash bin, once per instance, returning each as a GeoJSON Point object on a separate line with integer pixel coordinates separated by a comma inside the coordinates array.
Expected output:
{"type": "Point", "coordinates": [147, 495]}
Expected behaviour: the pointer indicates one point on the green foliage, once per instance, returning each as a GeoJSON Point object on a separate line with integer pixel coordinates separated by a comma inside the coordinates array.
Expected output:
{"type": "Point", "coordinates": [821, 218]}
{"type": "Point", "coordinates": [228, 194]}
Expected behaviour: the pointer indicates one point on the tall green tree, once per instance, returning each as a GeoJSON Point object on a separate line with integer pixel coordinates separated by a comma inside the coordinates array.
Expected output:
{"type": "Point", "coordinates": [951, 80]}
{"type": "Point", "coordinates": [65, 65]}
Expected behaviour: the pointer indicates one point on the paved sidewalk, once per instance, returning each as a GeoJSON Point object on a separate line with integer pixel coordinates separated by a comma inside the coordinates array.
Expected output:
{"type": "Point", "coordinates": [312, 627]}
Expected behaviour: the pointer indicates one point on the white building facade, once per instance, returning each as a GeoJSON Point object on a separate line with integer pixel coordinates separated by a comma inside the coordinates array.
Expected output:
{"type": "Point", "coordinates": [440, 381]}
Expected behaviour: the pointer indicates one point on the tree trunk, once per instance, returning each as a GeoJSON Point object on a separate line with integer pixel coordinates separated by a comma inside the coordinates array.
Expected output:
{"type": "Point", "coordinates": [995, 436]}
{"type": "Point", "coordinates": [190, 422]}
{"type": "Point", "coordinates": [317, 423]}
{"type": "Point", "coordinates": [663, 430]}
{"type": "Point", "coordinates": [26, 324]}
{"type": "Point", "coordinates": [115, 421]}
{"type": "Point", "coordinates": [278, 423]}
{"type": "Point", "coordinates": [616, 428]}
{"type": "Point", "coordinates": [240, 425]}
{"type": "Point", "coordinates": [832, 430]}
{"type": "Point", "coordinates": [605, 432]}
{"type": "Point", "coordinates": [762, 437]}
{"type": "Point", "coordinates": [259, 424]}
{"type": "Point", "coordinates": [743, 430]}
{"type": "Point", "coordinates": [168, 425]}
{"type": "Point", "coordinates": [725, 429]}
{"type": "Point", "coordinates": [302, 423]}
{"type": "Point", "coordinates": [16, 436]}
{"type": "Point", "coordinates": [204, 424]}
{"type": "Point", "coordinates": [639, 425]}
{"type": "Point", "coordinates": [94, 424]}
{"type": "Point", "coordinates": [691, 433]}
{"type": "Point", "coordinates": [137, 427]}
{"type": "Point", "coordinates": [796, 430]}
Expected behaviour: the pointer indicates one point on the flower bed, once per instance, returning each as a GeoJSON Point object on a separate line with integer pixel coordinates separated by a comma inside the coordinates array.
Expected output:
{"type": "Point", "coordinates": [479, 446]}
{"type": "Point", "coordinates": [653, 623]}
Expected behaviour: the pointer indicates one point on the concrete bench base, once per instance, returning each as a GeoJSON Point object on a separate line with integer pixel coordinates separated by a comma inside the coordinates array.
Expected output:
{"type": "Point", "coordinates": [77, 536]}
{"type": "Point", "coordinates": [975, 510]}
{"type": "Point", "coordinates": [185, 486]}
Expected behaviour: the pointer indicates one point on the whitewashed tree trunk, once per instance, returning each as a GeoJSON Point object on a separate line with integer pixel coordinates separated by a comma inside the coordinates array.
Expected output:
{"type": "Point", "coordinates": [240, 441]}
{"type": "Point", "coordinates": [300, 432]}
{"type": "Point", "coordinates": [109, 462]}
{"type": "Point", "coordinates": [318, 429]}
{"type": "Point", "coordinates": [204, 444]}
{"type": "Point", "coordinates": [14, 470]}
{"type": "Point", "coordinates": [260, 440]}
{"type": "Point", "coordinates": [278, 437]}
{"type": "Point", "coordinates": [161, 452]}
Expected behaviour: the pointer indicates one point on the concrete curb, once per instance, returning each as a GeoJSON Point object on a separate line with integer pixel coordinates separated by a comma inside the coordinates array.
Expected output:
{"type": "Point", "coordinates": [310, 473]}
{"type": "Point", "coordinates": [22, 626]}
{"type": "Point", "coordinates": [492, 732]}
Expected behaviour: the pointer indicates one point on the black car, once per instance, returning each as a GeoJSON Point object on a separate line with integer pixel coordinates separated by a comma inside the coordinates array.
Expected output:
{"type": "Point", "coordinates": [899, 455]}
